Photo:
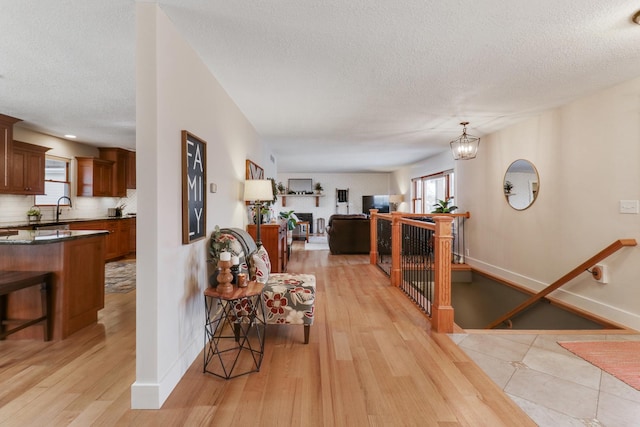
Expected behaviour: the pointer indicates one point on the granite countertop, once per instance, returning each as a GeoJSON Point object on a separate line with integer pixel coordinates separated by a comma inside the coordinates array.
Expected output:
{"type": "Point", "coordinates": [49, 222]}
{"type": "Point", "coordinates": [34, 237]}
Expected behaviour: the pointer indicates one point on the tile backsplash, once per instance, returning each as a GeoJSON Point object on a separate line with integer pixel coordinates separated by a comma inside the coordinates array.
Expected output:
{"type": "Point", "coordinates": [13, 208]}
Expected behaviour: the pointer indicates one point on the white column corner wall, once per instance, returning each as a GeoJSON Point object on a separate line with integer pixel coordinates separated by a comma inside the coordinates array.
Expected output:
{"type": "Point", "coordinates": [175, 92]}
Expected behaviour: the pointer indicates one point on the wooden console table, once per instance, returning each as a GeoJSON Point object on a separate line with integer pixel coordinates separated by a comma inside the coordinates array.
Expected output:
{"type": "Point", "coordinates": [274, 240]}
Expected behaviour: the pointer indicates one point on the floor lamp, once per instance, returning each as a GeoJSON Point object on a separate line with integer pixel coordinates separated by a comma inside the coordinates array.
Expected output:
{"type": "Point", "coordinates": [258, 191]}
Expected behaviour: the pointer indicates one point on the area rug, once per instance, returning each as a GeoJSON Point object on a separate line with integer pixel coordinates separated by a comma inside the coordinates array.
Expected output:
{"type": "Point", "coordinates": [619, 358]}
{"type": "Point", "coordinates": [316, 243]}
{"type": "Point", "coordinates": [119, 277]}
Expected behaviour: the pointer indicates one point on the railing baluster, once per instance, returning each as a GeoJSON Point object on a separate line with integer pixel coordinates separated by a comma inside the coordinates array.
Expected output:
{"type": "Point", "coordinates": [418, 258]}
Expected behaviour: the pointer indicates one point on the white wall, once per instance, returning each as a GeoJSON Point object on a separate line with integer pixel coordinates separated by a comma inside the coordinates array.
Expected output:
{"type": "Point", "coordinates": [13, 208]}
{"type": "Point", "coordinates": [588, 156]}
{"type": "Point", "coordinates": [359, 184]}
{"type": "Point", "coordinates": [175, 92]}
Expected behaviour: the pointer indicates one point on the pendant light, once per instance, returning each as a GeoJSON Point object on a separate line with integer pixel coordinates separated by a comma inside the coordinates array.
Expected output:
{"type": "Point", "coordinates": [465, 147]}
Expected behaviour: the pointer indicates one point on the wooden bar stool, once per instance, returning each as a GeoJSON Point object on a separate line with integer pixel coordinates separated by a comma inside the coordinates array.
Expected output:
{"type": "Point", "coordinates": [11, 281]}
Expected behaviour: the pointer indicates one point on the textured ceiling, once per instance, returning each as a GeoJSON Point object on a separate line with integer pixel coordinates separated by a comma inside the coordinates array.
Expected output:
{"type": "Point", "coordinates": [358, 85]}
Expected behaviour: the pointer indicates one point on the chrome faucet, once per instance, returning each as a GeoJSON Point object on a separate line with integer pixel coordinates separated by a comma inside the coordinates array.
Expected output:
{"type": "Point", "coordinates": [58, 207]}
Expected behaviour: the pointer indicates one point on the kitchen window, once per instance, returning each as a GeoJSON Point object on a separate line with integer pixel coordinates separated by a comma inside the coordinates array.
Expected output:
{"type": "Point", "coordinates": [56, 182]}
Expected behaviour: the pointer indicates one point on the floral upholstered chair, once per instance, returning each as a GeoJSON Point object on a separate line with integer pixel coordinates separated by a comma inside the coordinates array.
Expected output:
{"type": "Point", "coordinates": [289, 298]}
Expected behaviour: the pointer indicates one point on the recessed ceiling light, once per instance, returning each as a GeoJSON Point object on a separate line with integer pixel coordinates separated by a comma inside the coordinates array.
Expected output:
{"type": "Point", "coordinates": [70, 136]}
{"type": "Point", "coordinates": [636, 18]}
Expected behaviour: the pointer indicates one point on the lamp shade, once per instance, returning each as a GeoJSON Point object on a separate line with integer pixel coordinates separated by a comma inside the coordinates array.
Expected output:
{"type": "Point", "coordinates": [258, 190]}
{"type": "Point", "coordinates": [396, 198]}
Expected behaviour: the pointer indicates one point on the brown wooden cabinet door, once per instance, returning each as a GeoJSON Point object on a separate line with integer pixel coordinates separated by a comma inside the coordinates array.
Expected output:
{"type": "Point", "coordinates": [131, 169]}
{"type": "Point", "coordinates": [27, 169]}
{"type": "Point", "coordinates": [83, 280]}
{"type": "Point", "coordinates": [103, 174]}
{"type": "Point", "coordinates": [118, 169]}
{"type": "Point", "coordinates": [132, 235]}
{"type": "Point", "coordinates": [123, 237]}
{"type": "Point", "coordinates": [6, 145]}
{"type": "Point", "coordinates": [113, 239]}
{"type": "Point", "coordinates": [94, 177]}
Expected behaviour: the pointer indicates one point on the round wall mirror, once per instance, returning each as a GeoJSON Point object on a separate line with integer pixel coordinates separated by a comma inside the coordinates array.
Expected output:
{"type": "Point", "coordinates": [521, 184]}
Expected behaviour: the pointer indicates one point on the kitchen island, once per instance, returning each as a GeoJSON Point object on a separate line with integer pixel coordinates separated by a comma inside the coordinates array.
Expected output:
{"type": "Point", "coordinates": [76, 259]}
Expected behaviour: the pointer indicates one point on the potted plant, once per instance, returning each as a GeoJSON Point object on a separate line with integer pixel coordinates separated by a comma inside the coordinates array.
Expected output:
{"type": "Point", "coordinates": [318, 188]}
{"type": "Point", "coordinates": [292, 222]}
{"type": "Point", "coordinates": [34, 214]}
{"type": "Point", "coordinates": [291, 218]}
{"type": "Point", "coordinates": [281, 188]}
{"type": "Point", "coordinates": [443, 206]}
{"type": "Point", "coordinates": [508, 186]}
{"type": "Point", "coordinates": [217, 244]}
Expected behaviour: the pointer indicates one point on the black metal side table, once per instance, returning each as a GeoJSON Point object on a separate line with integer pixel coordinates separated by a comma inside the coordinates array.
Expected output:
{"type": "Point", "coordinates": [234, 331]}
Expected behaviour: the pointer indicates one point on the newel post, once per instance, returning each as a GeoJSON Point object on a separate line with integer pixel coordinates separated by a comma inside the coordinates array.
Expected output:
{"type": "Point", "coordinates": [396, 248]}
{"type": "Point", "coordinates": [373, 251]}
{"type": "Point", "coordinates": [442, 311]}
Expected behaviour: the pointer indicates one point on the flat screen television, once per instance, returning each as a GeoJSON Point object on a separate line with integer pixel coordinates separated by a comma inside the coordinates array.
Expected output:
{"type": "Point", "coordinates": [380, 202]}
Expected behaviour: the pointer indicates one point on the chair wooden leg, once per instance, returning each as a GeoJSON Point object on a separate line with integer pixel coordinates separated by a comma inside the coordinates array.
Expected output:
{"type": "Point", "coordinates": [307, 329]}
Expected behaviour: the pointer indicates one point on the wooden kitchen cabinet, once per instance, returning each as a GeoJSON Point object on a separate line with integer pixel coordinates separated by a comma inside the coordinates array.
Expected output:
{"type": "Point", "coordinates": [132, 235]}
{"type": "Point", "coordinates": [274, 240]}
{"type": "Point", "coordinates": [27, 168]}
{"type": "Point", "coordinates": [21, 164]}
{"type": "Point", "coordinates": [94, 177]}
{"type": "Point", "coordinates": [118, 242]}
{"type": "Point", "coordinates": [77, 288]}
{"type": "Point", "coordinates": [118, 169]}
{"type": "Point", "coordinates": [123, 236]}
{"type": "Point", "coordinates": [131, 169]}
{"type": "Point", "coordinates": [6, 144]}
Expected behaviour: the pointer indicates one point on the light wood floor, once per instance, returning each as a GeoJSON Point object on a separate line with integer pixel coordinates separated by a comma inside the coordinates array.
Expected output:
{"type": "Point", "coordinates": [371, 360]}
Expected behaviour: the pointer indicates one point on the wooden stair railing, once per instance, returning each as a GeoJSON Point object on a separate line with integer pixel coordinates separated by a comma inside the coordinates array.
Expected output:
{"type": "Point", "coordinates": [609, 250]}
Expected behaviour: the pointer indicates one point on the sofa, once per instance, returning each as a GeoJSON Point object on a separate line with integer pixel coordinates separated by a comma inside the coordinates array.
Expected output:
{"type": "Point", "coordinates": [289, 298]}
{"type": "Point", "coordinates": [349, 234]}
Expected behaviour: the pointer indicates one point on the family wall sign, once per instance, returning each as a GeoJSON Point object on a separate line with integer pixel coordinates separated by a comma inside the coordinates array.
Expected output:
{"type": "Point", "coordinates": [194, 196]}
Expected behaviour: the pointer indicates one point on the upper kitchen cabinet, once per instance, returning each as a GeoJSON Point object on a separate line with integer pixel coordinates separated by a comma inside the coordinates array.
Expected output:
{"type": "Point", "coordinates": [107, 176]}
{"type": "Point", "coordinates": [6, 144]}
{"type": "Point", "coordinates": [95, 177]}
{"type": "Point", "coordinates": [119, 158]}
{"type": "Point", "coordinates": [131, 169]}
{"type": "Point", "coordinates": [21, 164]}
{"type": "Point", "coordinates": [27, 168]}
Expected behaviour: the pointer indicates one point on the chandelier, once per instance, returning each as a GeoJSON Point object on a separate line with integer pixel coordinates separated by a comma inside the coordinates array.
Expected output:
{"type": "Point", "coordinates": [465, 147]}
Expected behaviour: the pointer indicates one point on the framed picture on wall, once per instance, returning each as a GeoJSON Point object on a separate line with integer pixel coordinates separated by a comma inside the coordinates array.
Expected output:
{"type": "Point", "coordinates": [194, 182]}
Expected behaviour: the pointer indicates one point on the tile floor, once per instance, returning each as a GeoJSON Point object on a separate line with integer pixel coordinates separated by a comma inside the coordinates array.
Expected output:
{"type": "Point", "coordinates": [552, 385]}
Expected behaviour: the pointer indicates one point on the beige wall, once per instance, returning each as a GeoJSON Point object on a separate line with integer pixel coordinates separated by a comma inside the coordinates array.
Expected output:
{"type": "Point", "coordinates": [175, 91]}
{"type": "Point", "coordinates": [588, 156]}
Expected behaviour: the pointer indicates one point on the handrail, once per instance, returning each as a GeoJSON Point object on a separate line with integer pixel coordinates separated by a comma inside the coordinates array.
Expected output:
{"type": "Point", "coordinates": [608, 251]}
